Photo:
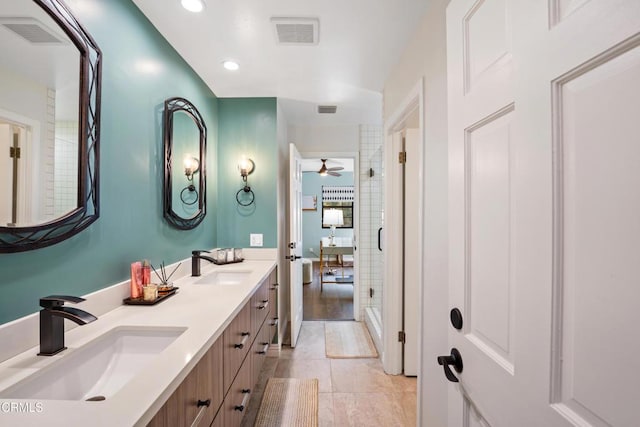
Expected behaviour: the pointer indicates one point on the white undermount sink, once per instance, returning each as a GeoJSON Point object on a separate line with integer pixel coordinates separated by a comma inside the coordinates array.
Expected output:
{"type": "Point", "coordinates": [98, 369]}
{"type": "Point", "coordinates": [224, 278]}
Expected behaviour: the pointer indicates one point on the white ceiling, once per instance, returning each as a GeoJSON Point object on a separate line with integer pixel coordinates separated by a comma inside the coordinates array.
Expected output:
{"type": "Point", "coordinates": [359, 42]}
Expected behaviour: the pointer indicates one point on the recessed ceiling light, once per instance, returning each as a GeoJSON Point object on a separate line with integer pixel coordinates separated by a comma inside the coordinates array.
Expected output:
{"type": "Point", "coordinates": [193, 5]}
{"type": "Point", "coordinates": [230, 65]}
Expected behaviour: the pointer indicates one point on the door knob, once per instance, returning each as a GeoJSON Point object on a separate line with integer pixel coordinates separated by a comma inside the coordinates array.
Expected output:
{"type": "Point", "coordinates": [292, 258]}
{"type": "Point", "coordinates": [454, 359]}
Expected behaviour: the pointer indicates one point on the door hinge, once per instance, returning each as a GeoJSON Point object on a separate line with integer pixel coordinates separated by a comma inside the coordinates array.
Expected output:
{"type": "Point", "coordinates": [402, 337]}
{"type": "Point", "coordinates": [370, 292]}
{"type": "Point", "coordinates": [14, 152]}
{"type": "Point", "coordinates": [402, 157]}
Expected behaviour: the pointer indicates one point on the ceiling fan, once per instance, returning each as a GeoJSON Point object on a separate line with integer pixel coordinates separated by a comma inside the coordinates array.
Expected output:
{"type": "Point", "coordinates": [324, 170]}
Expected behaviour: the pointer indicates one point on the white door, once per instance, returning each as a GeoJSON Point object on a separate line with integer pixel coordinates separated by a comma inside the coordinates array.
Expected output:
{"type": "Point", "coordinates": [412, 251]}
{"type": "Point", "coordinates": [295, 241]}
{"type": "Point", "coordinates": [6, 174]}
{"type": "Point", "coordinates": [544, 100]}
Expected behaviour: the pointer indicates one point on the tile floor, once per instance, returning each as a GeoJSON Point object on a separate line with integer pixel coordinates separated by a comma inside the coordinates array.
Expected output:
{"type": "Point", "coordinates": [352, 392]}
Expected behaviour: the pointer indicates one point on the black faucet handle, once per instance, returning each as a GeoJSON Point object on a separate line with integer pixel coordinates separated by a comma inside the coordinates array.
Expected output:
{"type": "Point", "coordinates": [198, 252]}
{"type": "Point", "coordinates": [58, 300]}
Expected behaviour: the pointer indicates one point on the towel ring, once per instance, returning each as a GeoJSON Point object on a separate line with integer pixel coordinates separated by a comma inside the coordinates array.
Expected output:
{"type": "Point", "coordinates": [246, 189]}
{"type": "Point", "coordinates": [192, 189]}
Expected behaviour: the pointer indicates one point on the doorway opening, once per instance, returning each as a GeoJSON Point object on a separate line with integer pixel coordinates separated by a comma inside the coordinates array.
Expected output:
{"type": "Point", "coordinates": [329, 220]}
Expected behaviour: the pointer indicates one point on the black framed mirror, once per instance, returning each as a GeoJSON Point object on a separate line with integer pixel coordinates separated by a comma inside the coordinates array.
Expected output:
{"type": "Point", "coordinates": [50, 72]}
{"type": "Point", "coordinates": [185, 146]}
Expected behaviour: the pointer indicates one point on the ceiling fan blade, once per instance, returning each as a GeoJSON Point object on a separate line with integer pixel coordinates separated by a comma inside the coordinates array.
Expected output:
{"type": "Point", "coordinates": [333, 173]}
{"type": "Point", "coordinates": [336, 168]}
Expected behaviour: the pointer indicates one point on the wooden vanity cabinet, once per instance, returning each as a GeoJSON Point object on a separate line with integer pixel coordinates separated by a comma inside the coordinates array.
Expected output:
{"type": "Point", "coordinates": [229, 370]}
{"type": "Point", "coordinates": [199, 394]}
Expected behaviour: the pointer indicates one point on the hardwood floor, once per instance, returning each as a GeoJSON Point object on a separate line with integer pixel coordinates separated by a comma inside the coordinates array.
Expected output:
{"type": "Point", "coordinates": [335, 302]}
{"type": "Point", "coordinates": [352, 392]}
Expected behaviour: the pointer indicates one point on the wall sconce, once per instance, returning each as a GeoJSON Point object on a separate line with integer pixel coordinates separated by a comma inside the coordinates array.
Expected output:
{"type": "Point", "coordinates": [191, 166]}
{"type": "Point", "coordinates": [246, 167]}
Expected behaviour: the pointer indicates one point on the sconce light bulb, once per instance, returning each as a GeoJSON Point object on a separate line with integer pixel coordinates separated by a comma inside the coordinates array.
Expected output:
{"type": "Point", "coordinates": [245, 166]}
{"type": "Point", "coordinates": [188, 166]}
{"type": "Point", "coordinates": [191, 166]}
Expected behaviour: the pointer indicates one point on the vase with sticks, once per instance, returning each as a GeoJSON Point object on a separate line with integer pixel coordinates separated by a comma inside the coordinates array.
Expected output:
{"type": "Point", "coordinates": [165, 285]}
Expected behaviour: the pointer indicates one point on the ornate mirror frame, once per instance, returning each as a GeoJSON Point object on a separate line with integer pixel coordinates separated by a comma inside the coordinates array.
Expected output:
{"type": "Point", "coordinates": [171, 106]}
{"type": "Point", "coordinates": [19, 239]}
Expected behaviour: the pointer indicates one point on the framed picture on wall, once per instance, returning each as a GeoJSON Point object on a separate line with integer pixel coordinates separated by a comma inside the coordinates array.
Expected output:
{"type": "Point", "coordinates": [310, 203]}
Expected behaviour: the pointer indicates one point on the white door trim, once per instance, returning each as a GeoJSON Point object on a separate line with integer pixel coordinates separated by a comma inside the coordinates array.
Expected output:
{"type": "Point", "coordinates": [356, 215]}
{"type": "Point", "coordinates": [392, 240]}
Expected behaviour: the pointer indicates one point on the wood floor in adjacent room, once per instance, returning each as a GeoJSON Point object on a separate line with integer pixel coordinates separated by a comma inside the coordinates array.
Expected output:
{"type": "Point", "coordinates": [352, 392]}
{"type": "Point", "coordinates": [335, 302]}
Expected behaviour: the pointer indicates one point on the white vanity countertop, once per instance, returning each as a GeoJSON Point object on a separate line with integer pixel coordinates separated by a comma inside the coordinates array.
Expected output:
{"type": "Point", "coordinates": [204, 310]}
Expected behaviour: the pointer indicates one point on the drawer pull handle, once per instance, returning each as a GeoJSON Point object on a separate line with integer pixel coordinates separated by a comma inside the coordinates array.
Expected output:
{"type": "Point", "coordinates": [203, 405]}
{"type": "Point", "coordinates": [264, 305]}
{"type": "Point", "coordinates": [265, 348]}
{"type": "Point", "coordinates": [244, 340]}
{"type": "Point", "coordinates": [275, 322]}
{"type": "Point", "coordinates": [245, 400]}
{"type": "Point", "coordinates": [274, 286]}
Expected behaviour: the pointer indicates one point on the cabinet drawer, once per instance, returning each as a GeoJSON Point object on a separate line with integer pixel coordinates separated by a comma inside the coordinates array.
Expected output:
{"type": "Point", "coordinates": [260, 305]}
{"type": "Point", "coordinates": [208, 385]}
{"type": "Point", "coordinates": [272, 323]}
{"type": "Point", "coordinates": [259, 352]}
{"type": "Point", "coordinates": [273, 294]}
{"type": "Point", "coordinates": [237, 342]}
{"type": "Point", "coordinates": [237, 399]}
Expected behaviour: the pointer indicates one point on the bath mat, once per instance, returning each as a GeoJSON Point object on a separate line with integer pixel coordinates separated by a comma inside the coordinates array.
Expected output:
{"type": "Point", "coordinates": [289, 402]}
{"type": "Point", "coordinates": [344, 340]}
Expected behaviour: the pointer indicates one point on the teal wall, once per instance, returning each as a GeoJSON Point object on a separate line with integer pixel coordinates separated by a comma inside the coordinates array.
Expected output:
{"type": "Point", "coordinates": [247, 126]}
{"type": "Point", "coordinates": [131, 225]}
{"type": "Point", "coordinates": [312, 230]}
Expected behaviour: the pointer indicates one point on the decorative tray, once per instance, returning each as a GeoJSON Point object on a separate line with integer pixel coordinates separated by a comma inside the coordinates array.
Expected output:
{"type": "Point", "coordinates": [215, 261]}
{"type": "Point", "coordinates": [161, 297]}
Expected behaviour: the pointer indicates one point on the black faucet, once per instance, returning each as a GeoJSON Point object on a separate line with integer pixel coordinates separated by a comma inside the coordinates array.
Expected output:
{"type": "Point", "coordinates": [52, 318]}
{"type": "Point", "coordinates": [196, 256]}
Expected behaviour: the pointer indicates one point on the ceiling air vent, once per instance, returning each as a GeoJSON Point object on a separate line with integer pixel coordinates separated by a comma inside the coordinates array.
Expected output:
{"type": "Point", "coordinates": [32, 30]}
{"type": "Point", "coordinates": [296, 31]}
{"type": "Point", "coordinates": [327, 109]}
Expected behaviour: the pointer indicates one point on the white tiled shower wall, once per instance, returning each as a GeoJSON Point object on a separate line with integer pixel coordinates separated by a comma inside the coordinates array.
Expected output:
{"type": "Point", "coordinates": [66, 167]}
{"type": "Point", "coordinates": [371, 215]}
{"type": "Point", "coordinates": [47, 212]}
